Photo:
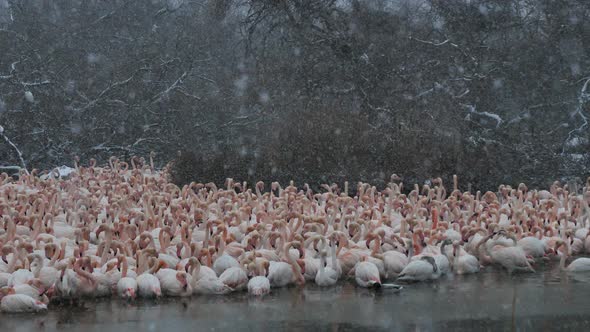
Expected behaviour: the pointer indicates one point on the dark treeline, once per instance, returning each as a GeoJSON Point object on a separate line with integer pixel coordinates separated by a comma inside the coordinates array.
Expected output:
{"type": "Point", "coordinates": [312, 90]}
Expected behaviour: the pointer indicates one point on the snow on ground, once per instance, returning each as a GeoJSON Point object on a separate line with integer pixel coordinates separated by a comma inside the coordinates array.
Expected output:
{"type": "Point", "coordinates": [63, 171]}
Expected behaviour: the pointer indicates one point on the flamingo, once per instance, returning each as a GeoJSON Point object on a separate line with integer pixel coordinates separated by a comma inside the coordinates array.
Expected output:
{"type": "Point", "coordinates": [174, 283]}
{"type": "Point", "coordinates": [533, 246]}
{"type": "Point", "coordinates": [211, 286]}
{"type": "Point", "coordinates": [148, 285]}
{"type": "Point", "coordinates": [235, 278]}
{"type": "Point", "coordinates": [126, 229]}
{"type": "Point", "coordinates": [422, 269]}
{"type": "Point", "coordinates": [512, 258]}
{"type": "Point", "coordinates": [465, 263]}
{"type": "Point", "coordinates": [33, 288]}
{"type": "Point", "coordinates": [127, 285]}
{"type": "Point", "coordinates": [200, 271]}
{"type": "Point", "coordinates": [281, 274]}
{"type": "Point", "coordinates": [223, 261]}
{"type": "Point", "coordinates": [581, 264]}
{"type": "Point", "coordinates": [259, 285]}
{"type": "Point", "coordinates": [366, 274]}
{"type": "Point", "coordinates": [13, 303]}
{"type": "Point", "coordinates": [326, 276]}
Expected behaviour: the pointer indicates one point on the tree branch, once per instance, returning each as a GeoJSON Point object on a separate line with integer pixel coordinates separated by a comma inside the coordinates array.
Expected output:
{"type": "Point", "coordinates": [20, 155]}
{"type": "Point", "coordinates": [174, 85]}
{"type": "Point", "coordinates": [582, 99]}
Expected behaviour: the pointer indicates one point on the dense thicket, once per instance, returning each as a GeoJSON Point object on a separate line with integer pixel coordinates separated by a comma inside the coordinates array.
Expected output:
{"type": "Point", "coordinates": [311, 90]}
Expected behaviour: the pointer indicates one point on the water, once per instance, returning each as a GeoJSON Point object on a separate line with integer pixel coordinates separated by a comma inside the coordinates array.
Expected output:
{"type": "Point", "coordinates": [546, 300]}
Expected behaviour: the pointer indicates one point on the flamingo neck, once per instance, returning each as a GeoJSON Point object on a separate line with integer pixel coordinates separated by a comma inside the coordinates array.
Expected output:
{"type": "Point", "coordinates": [333, 253]}
{"type": "Point", "coordinates": [416, 244]}
{"type": "Point", "coordinates": [341, 244]}
{"type": "Point", "coordinates": [455, 256]}
{"type": "Point", "coordinates": [195, 269]}
{"type": "Point", "coordinates": [155, 268]}
{"type": "Point", "coordinates": [376, 246]}
{"type": "Point", "coordinates": [221, 246]}
{"type": "Point", "coordinates": [125, 267]}
{"type": "Point", "coordinates": [434, 218]}
{"type": "Point", "coordinates": [107, 247]}
{"type": "Point", "coordinates": [38, 267]}
{"type": "Point", "coordinates": [322, 263]}
{"type": "Point", "coordinates": [55, 256]}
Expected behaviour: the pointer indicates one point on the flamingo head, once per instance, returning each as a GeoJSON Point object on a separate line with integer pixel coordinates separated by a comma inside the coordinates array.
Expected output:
{"type": "Point", "coordinates": [181, 277]}
{"type": "Point", "coordinates": [275, 185]}
{"type": "Point", "coordinates": [49, 250]}
{"type": "Point", "coordinates": [445, 243]}
{"type": "Point", "coordinates": [266, 265]}
{"type": "Point", "coordinates": [369, 238]}
{"type": "Point", "coordinates": [6, 291]}
{"type": "Point", "coordinates": [28, 247]}
{"type": "Point", "coordinates": [40, 306]}
{"type": "Point", "coordinates": [50, 291]}
{"type": "Point", "coordinates": [374, 283]}
{"type": "Point", "coordinates": [112, 264]}
{"type": "Point", "coordinates": [36, 283]}
{"type": "Point", "coordinates": [100, 229]}
{"type": "Point", "coordinates": [432, 262]}
{"type": "Point", "coordinates": [301, 264]}
{"type": "Point", "coordinates": [298, 237]}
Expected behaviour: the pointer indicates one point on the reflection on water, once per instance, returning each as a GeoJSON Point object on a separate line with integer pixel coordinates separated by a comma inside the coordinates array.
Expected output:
{"type": "Point", "coordinates": [489, 301]}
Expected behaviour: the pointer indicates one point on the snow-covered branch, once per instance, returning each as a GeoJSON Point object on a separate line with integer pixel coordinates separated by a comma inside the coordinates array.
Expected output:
{"type": "Point", "coordinates": [373, 107]}
{"type": "Point", "coordinates": [447, 41]}
{"type": "Point", "coordinates": [429, 42]}
{"type": "Point", "coordinates": [174, 85]}
{"type": "Point", "coordinates": [582, 99]}
{"type": "Point", "coordinates": [103, 17]}
{"type": "Point", "coordinates": [36, 83]}
{"type": "Point", "coordinates": [129, 148]}
{"type": "Point", "coordinates": [20, 155]}
{"type": "Point", "coordinates": [104, 147]}
{"type": "Point", "coordinates": [103, 92]}
{"type": "Point", "coordinates": [493, 116]}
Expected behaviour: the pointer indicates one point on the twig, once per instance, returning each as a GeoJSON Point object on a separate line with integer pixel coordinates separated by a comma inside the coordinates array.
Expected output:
{"type": "Point", "coordinates": [494, 116]}
{"type": "Point", "coordinates": [103, 92]}
{"type": "Point", "coordinates": [36, 83]}
{"type": "Point", "coordinates": [174, 85]}
{"type": "Point", "coordinates": [429, 42]}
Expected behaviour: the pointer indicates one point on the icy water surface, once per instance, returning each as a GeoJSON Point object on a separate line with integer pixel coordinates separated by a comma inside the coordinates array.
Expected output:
{"type": "Point", "coordinates": [546, 300]}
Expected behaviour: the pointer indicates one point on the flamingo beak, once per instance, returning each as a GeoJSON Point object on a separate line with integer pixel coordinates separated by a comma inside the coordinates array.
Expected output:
{"type": "Point", "coordinates": [50, 291]}
{"type": "Point", "coordinates": [301, 265]}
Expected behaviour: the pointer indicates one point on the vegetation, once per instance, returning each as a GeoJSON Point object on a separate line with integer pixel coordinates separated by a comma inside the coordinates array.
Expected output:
{"type": "Point", "coordinates": [315, 91]}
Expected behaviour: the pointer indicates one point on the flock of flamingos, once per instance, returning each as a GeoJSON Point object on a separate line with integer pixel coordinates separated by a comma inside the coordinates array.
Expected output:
{"type": "Point", "coordinates": [125, 230]}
